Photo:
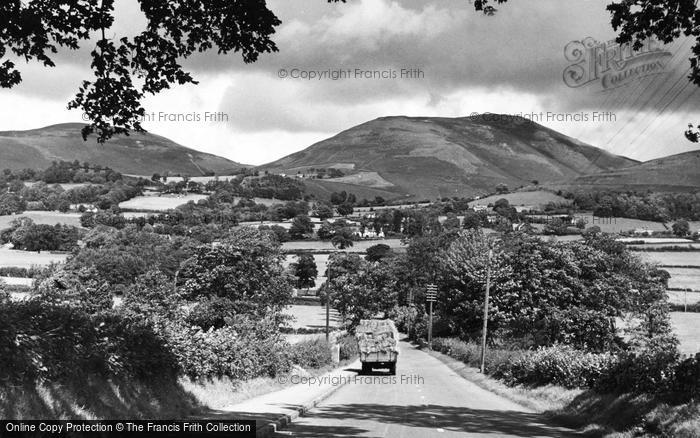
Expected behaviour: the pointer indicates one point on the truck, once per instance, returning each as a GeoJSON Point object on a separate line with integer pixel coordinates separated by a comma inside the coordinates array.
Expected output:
{"type": "Point", "coordinates": [378, 342]}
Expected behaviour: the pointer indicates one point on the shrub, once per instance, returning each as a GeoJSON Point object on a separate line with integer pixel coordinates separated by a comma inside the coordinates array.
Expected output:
{"type": "Point", "coordinates": [241, 351]}
{"type": "Point", "coordinates": [348, 347]}
{"type": "Point", "coordinates": [313, 353]}
{"type": "Point", "coordinates": [687, 376]}
{"type": "Point", "coordinates": [470, 353]}
{"type": "Point", "coordinates": [557, 365]}
{"type": "Point", "coordinates": [651, 369]}
{"type": "Point", "coordinates": [41, 341]}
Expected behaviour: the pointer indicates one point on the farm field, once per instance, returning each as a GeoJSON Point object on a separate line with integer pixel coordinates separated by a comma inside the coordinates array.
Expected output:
{"type": "Point", "coordinates": [369, 179]}
{"type": "Point", "coordinates": [26, 259]}
{"type": "Point", "coordinates": [309, 317]}
{"type": "Point", "coordinates": [653, 241]}
{"type": "Point", "coordinates": [64, 186]}
{"type": "Point", "coordinates": [159, 203]}
{"type": "Point", "coordinates": [43, 217]}
{"type": "Point", "coordinates": [199, 179]}
{"type": "Point", "coordinates": [264, 201]}
{"type": "Point", "coordinates": [359, 246]}
{"type": "Point", "coordinates": [679, 297]}
{"type": "Point", "coordinates": [16, 281]}
{"type": "Point", "coordinates": [672, 258]}
{"type": "Point", "coordinates": [537, 199]}
{"type": "Point", "coordinates": [662, 246]}
{"type": "Point", "coordinates": [619, 224]}
{"type": "Point", "coordinates": [687, 328]}
{"type": "Point", "coordinates": [684, 278]}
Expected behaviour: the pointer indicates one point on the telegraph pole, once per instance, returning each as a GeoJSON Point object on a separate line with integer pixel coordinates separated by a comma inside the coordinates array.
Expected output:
{"type": "Point", "coordinates": [328, 301]}
{"type": "Point", "coordinates": [431, 296]}
{"type": "Point", "coordinates": [486, 312]}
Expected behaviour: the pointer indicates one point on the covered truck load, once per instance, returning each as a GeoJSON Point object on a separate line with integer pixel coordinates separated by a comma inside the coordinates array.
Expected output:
{"type": "Point", "coordinates": [378, 342]}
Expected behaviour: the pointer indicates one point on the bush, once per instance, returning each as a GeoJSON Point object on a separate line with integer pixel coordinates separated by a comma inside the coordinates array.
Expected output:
{"type": "Point", "coordinates": [17, 272]}
{"type": "Point", "coordinates": [470, 353]}
{"type": "Point", "coordinates": [314, 353]}
{"type": "Point", "coordinates": [241, 351]}
{"type": "Point", "coordinates": [651, 369]}
{"type": "Point", "coordinates": [557, 365]}
{"type": "Point", "coordinates": [349, 349]}
{"type": "Point", "coordinates": [41, 341]}
{"type": "Point", "coordinates": [687, 376]}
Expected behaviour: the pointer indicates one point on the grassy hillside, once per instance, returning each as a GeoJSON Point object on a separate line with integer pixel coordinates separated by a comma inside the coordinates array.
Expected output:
{"type": "Point", "coordinates": [426, 157]}
{"type": "Point", "coordinates": [142, 154]}
{"type": "Point", "coordinates": [673, 173]}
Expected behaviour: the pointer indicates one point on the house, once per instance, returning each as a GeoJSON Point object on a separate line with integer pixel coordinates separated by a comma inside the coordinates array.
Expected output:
{"type": "Point", "coordinates": [643, 232]}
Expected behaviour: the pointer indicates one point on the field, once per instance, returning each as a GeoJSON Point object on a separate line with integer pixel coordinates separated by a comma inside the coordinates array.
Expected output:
{"type": "Point", "coordinates": [619, 224]}
{"type": "Point", "coordinates": [672, 258]}
{"type": "Point", "coordinates": [199, 179]}
{"type": "Point", "coordinates": [64, 186]}
{"type": "Point", "coordinates": [687, 327]}
{"type": "Point", "coordinates": [684, 278]}
{"type": "Point", "coordinates": [25, 259]}
{"type": "Point", "coordinates": [264, 201]}
{"type": "Point", "coordinates": [16, 281]}
{"type": "Point", "coordinates": [369, 179]}
{"type": "Point", "coordinates": [359, 246]}
{"type": "Point", "coordinates": [159, 203]}
{"type": "Point", "coordinates": [536, 199]}
{"type": "Point", "coordinates": [678, 297]}
{"type": "Point", "coordinates": [310, 318]}
{"type": "Point", "coordinates": [43, 217]}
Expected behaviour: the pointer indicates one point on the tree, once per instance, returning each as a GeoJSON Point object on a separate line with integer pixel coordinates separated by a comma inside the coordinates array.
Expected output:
{"type": "Point", "coordinates": [155, 177]}
{"type": "Point", "coordinates": [244, 269]}
{"type": "Point", "coordinates": [305, 271]}
{"type": "Point", "coordinates": [681, 228]}
{"type": "Point", "coordinates": [472, 220]}
{"type": "Point", "coordinates": [342, 239]}
{"type": "Point", "coordinates": [301, 227]}
{"type": "Point", "coordinates": [323, 211]}
{"type": "Point", "coordinates": [358, 289]}
{"type": "Point", "coordinates": [378, 252]}
{"type": "Point", "coordinates": [128, 68]}
{"type": "Point", "coordinates": [345, 209]}
{"type": "Point", "coordinates": [501, 188]}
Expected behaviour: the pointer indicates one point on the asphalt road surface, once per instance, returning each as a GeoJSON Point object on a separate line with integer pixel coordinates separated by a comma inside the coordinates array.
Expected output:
{"type": "Point", "coordinates": [426, 399]}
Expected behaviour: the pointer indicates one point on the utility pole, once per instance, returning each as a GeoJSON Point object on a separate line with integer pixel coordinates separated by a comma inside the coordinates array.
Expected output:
{"type": "Point", "coordinates": [486, 312]}
{"type": "Point", "coordinates": [328, 301]}
{"type": "Point", "coordinates": [431, 296]}
{"type": "Point", "coordinates": [410, 308]}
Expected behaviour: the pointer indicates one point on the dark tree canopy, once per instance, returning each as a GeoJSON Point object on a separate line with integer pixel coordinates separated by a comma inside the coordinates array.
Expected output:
{"type": "Point", "coordinates": [126, 68]}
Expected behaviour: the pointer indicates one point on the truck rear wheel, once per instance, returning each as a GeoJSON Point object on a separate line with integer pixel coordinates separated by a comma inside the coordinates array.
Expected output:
{"type": "Point", "coordinates": [366, 368]}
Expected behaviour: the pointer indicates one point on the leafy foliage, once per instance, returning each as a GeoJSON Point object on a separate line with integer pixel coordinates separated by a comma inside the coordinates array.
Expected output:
{"type": "Point", "coordinates": [245, 268]}
{"type": "Point", "coordinates": [35, 30]}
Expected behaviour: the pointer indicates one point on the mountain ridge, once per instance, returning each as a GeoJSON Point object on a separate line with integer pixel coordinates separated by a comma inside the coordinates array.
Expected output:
{"type": "Point", "coordinates": [425, 157]}
{"type": "Point", "coordinates": [138, 153]}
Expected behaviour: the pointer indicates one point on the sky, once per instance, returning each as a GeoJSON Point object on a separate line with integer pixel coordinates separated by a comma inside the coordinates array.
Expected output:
{"type": "Point", "coordinates": [340, 65]}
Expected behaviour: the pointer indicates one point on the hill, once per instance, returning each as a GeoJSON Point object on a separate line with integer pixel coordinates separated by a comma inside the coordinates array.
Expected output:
{"type": "Point", "coordinates": [139, 154]}
{"type": "Point", "coordinates": [673, 173]}
{"type": "Point", "coordinates": [427, 157]}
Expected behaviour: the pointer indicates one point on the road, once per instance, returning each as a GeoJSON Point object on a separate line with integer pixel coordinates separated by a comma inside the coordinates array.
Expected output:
{"type": "Point", "coordinates": [427, 399]}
